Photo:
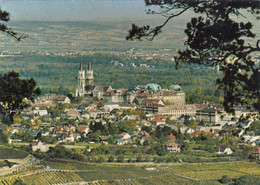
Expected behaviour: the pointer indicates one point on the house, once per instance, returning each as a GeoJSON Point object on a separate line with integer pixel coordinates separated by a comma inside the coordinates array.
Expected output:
{"type": "Point", "coordinates": [157, 122]}
{"type": "Point", "coordinates": [93, 112]}
{"type": "Point", "coordinates": [146, 138]}
{"type": "Point", "coordinates": [196, 133]}
{"type": "Point", "coordinates": [119, 141]}
{"type": "Point", "coordinates": [104, 139]}
{"type": "Point", "coordinates": [171, 137]}
{"type": "Point", "coordinates": [99, 91]}
{"type": "Point", "coordinates": [223, 149]}
{"type": "Point", "coordinates": [83, 129]}
{"type": "Point", "coordinates": [116, 95]}
{"type": "Point", "coordinates": [70, 137]}
{"type": "Point", "coordinates": [126, 138]}
{"type": "Point", "coordinates": [144, 123]}
{"type": "Point", "coordinates": [73, 113]}
{"type": "Point", "coordinates": [256, 152]}
{"type": "Point", "coordinates": [40, 112]}
{"type": "Point", "coordinates": [109, 106]}
{"type": "Point", "coordinates": [41, 146]}
{"type": "Point", "coordinates": [172, 147]}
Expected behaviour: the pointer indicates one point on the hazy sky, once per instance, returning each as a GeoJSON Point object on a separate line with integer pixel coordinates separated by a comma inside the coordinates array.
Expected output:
{"type": "Point", "coordinates": [73, 10]}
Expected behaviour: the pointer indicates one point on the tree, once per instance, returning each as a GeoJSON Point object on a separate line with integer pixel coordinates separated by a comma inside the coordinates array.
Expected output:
{"type": "Point", "coordinates": [13, 92]}
{"type": "Point", "coordinates": [191, 124]}
{"type": "Point", "coordinates": [5, 17]}
{"type": "Point", "coordinates": [247, 179]}
{"type": "Point", "coordinates": [255, 126]}
{"type": "Point", "coordinates": [130, 125]}
{"type": "Point", "coordinates": [215, 38]}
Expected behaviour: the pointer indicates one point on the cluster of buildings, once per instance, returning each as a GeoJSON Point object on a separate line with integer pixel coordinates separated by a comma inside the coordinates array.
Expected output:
{"type": "Point", "coordinates": [162, 107]}
{"type": "Point", "coordinates": [152, 99]}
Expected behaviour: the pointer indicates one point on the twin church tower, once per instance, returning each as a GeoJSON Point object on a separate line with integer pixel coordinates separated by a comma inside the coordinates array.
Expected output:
{"type": "Point", "coordinates": [84, 80]}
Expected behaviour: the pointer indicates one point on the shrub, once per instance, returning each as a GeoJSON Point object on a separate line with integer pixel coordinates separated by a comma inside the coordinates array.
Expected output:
{"type": "Point", "coordinates": [139, 159]}
{"type": "Point", "coordinates": [247, 179]}
{"type": "Point", "coordinates": [120, 158]}
{"type": "Point", "coordinates": [224, 179]}
{"type": "Point", "coordinates": [111, 158]}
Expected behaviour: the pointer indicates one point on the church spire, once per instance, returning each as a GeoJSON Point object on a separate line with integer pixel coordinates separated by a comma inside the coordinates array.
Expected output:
{"type": "Point", "coordinates": [81, 65]}
{"type": "Point", "coordinates": [89, 65]}
{"type": "Point", "coordinates": [90, 75]}
{"type": "Point", "coordinates": [80, 91]}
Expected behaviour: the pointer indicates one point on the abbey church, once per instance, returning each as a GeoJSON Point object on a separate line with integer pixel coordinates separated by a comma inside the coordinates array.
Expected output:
{"type": "Point", "coordinates": [86, 87]}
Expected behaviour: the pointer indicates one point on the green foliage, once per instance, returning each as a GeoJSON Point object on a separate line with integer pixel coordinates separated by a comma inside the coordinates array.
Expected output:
{"type": "Point", "coordinates": [13, 92]}
{"type": "Point", "coordinates": [3, 137]}
{"type": "Point", "coordinates": [248, 179]}
{"type": "Point", "coordinates": [130, 125]}
{"type": "Point", "coordinates": [11, 153]}
{"type": "Point", "coordinates": [225, 180]}
{"type": "Point", "coordinates": [215, 38]}
{"type": "Point", "coordinates": [111, 158]}
{"type": "Point", "coordinates": [5, 16]}
{"type": "Point", "coordinates": [255, 127]}
{"type": "Point", "coordinates": [120, 158]}
{"type": "Point", "coordinates": [191, 124]}
{"type": "Point", "coordinates": [59, 151]}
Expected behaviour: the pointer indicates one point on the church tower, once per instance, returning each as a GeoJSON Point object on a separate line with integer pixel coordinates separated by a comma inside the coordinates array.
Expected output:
{"type": "Point", "coordinates": [90, 76]}
{"type": "Point", "coordinates": [80, 91]}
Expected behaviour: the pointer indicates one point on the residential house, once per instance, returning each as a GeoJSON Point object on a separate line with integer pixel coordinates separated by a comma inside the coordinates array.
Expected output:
{"type": "Point", "coordinates": [256, 152]}
{"type": "Point", "coordinates": [72, 113]}
{"type": "Point", "coordinates": [83, 130]}
{"type": "Point", "coordinates": [40, 146]}
{"type": "Point", "coordinates": [172, 147]}
{"type": "Point", "coordinates": [104, 139]}
{"type": "Point", "coordinates": [223, 149]}
{"type": "Point", "coordinates": [157, 122]}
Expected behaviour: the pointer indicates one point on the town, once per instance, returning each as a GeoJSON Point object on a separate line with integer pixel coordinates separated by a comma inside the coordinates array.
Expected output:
{"type": "Point", "coordinates": [140, 116]}
{"type": "Point", "coordinates": [129, 92]}
{"type": "Point", "coordinates": [146, 124]}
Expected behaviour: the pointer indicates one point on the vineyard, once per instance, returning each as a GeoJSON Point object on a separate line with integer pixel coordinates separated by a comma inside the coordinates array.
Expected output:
{"type": "Point", "coordinates": [52, 177]}
{"type": "Point", "coordinates": [11, 153]}
{"type": "Point", "coordinates": [106, 173]}
{"type": "Point", "coordinates": [214, 171]}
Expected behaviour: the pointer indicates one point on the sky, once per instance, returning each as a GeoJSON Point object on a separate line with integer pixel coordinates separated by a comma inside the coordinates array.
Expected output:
{"type": "Point", "coordinates": [74, 10]}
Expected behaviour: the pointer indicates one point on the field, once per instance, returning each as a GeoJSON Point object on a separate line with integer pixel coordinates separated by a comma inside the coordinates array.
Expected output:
{"type": "Point", "coordinates": [138, 173]}
{"type": "Point", "coordinates": [11, 153]}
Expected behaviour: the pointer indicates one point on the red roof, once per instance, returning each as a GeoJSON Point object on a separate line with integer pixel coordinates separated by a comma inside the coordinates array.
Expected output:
{"type": "Point", "coordinates": [256, 151]}
{"type": "Point", "coordinates": [157, 120]}
{"type": "Point", "coordinates": [144, 133]}
{"type": "Point", "coordinates": [196, 133]}
{"type": "Point", "coordinates": [35, 144]}
{"type": "Point", "coordinates": [159, 116]}
{"type": "Point", "coordinates": [70, 132]}
{"type": "Point", "coordinates": [123, 134]}
{"type": "Point", "coordinates": [170, 144]}
{"type": "Point", "coordinates": [59, 129]}
{"type": "Point", "coordinates": [171, 137]}
{"type": "Point", "coordinates": [104, 138]}
{"type": "Point", "coordinates": [81, 129]}
{"type": "Point", "coordinates": [150, 102]}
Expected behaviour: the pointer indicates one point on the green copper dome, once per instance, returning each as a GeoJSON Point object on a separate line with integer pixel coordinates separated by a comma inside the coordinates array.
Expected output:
{"type": "Point", "coordinates": [176, 87]}
{"type": "Point", "coordinates": [153, 87]}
